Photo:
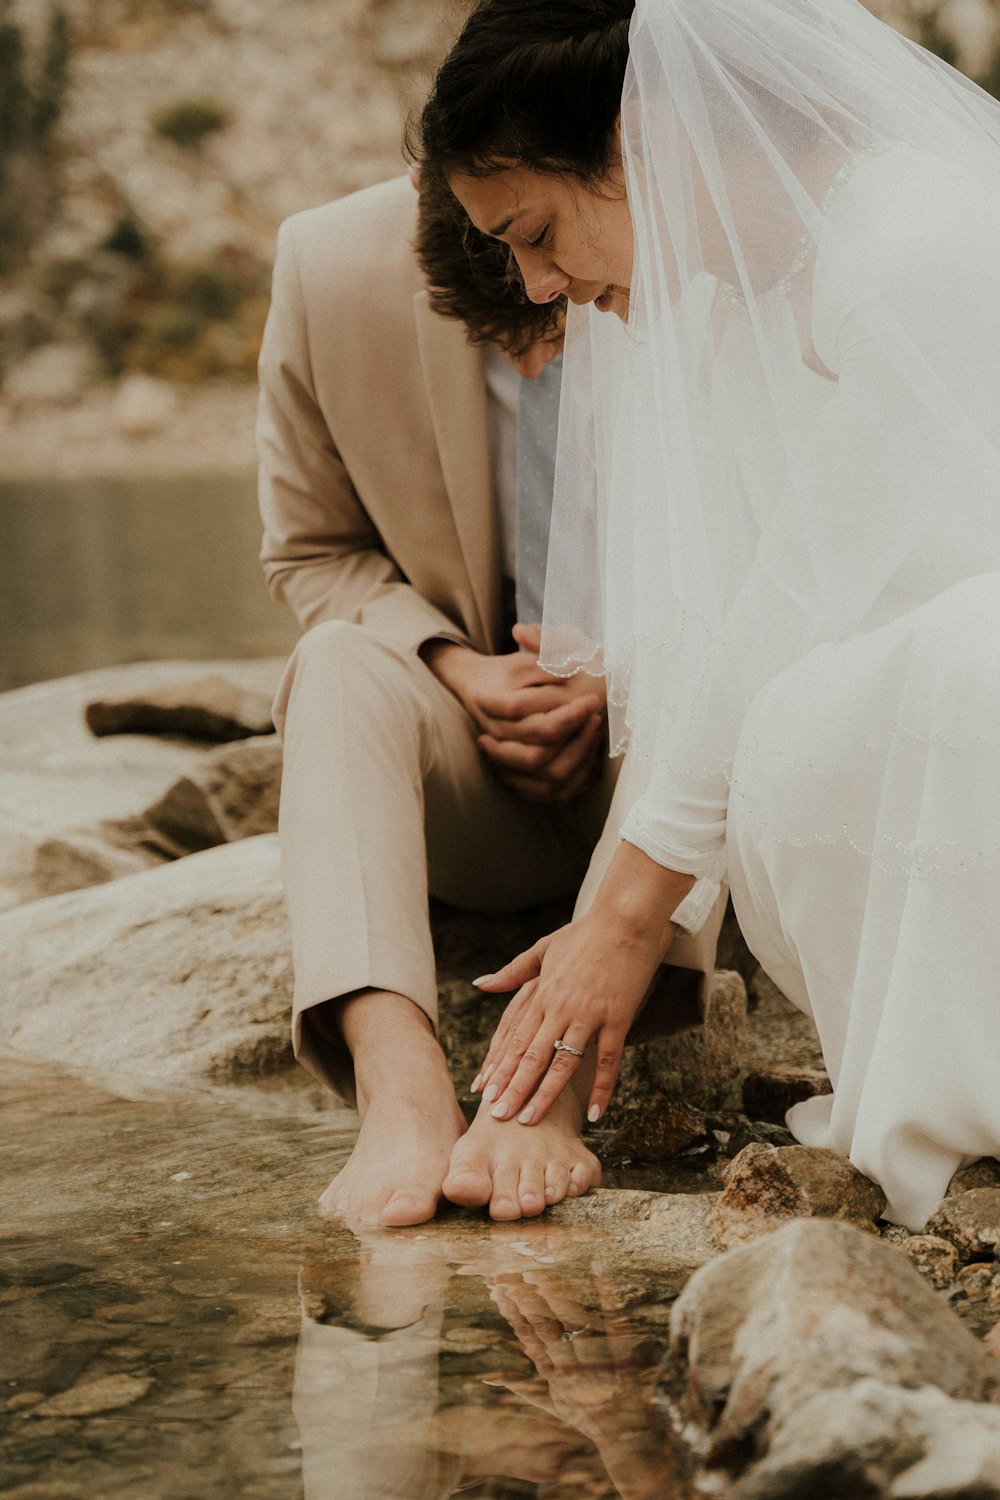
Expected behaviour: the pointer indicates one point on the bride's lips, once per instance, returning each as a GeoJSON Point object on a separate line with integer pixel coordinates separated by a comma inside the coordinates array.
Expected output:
{"type": "Point", "coordinates": [606, 301]}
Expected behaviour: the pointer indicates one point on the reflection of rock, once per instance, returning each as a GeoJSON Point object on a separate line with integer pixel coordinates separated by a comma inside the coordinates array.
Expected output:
{"type": "Point", "coordinates": [767, 1185]}
{"type": "Point", "coordinates": [205, 708]}
{"type": "Point", "coordinates": [142, 406]}
{"type": "Point", "coordinates": [90, 1397]}
{"type": "Point", "coordinates": [817, 1362]}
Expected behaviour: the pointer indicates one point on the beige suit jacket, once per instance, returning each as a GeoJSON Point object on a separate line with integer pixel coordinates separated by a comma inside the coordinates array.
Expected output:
{"type": "Point", "coordinates": [375, 480]}
{"type": "Point", "coordinates": [376, 486]}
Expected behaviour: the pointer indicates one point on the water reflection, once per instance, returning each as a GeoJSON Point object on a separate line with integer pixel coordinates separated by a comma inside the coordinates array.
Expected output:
{"type": "Point", "coordinates": [423, 1374]}
{"type": "Point", "coordinates": [107, 571]}
{"type": "Point", "coordinates": [177, 1321]}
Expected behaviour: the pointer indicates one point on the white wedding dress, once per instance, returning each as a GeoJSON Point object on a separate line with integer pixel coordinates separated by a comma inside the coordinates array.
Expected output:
{"type": "Point", "coordinates": [801, 631]}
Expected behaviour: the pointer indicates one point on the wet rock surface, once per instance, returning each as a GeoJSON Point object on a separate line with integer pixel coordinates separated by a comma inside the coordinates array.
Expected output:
{"type": "Point", "coordinates": [818, 1362]}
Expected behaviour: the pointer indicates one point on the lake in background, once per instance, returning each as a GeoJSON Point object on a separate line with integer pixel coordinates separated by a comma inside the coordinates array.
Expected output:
{"type": "Point", "coordinates": [118, 570]}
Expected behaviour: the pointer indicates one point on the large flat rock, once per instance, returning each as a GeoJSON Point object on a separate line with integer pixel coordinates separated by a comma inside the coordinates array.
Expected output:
{"type": "Point", "coordinates": [72, 804]}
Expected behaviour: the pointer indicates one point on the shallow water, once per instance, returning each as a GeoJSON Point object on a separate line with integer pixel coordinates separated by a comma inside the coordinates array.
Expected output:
{"type": "Point", "coordinates": [97, 572]}
{"type": "Point", "coordinates": [178, 1322]}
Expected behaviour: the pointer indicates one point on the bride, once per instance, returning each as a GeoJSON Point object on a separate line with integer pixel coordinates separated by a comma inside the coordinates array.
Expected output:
{"type": "Point", "coordinates": [776, 529]}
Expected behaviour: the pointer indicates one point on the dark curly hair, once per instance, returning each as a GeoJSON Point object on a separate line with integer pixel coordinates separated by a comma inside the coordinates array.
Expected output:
{"type": "Point", "coordinates": [532, 82]}
{"type": "Point", "coordinates": [474, 278]}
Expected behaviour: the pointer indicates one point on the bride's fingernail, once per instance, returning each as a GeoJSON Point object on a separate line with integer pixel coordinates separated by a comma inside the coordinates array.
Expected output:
{"type": "Point", "coordinates": [499, 1111]}
{"type": "Point", "coordinates": [482, 978]}
{"type": "Point", "coordinates": [527, 1115]}
{"type": "Point", "coordinates": [490, 1093]}
{"type": "Point", "coordinates": [474, 1089]}
{"type": "Point", "coordinates": [594, 1113]}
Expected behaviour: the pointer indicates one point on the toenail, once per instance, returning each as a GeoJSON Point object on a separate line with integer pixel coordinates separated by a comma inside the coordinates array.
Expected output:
{"type": "Point", "coordinates": [500, 1110]}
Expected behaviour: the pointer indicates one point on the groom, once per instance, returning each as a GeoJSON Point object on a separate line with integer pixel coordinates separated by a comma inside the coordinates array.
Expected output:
{"type": "Point", "coordinates": [421, 754]}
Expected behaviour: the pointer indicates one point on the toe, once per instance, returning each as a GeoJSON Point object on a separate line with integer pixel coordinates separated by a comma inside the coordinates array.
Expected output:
{"type": "Point", "coordinates": [468, 1186]}
{"type": "Point", "coordinates": [531, 1189]}
{"type": "Point", "coordinates": [409, 1207]}
{"type": "Point", "coordinates": [580, 1179]}
{"type": "Point", "coordinates": [556, 1181]}
{"type": "Point", "coordinates": [504, 1203]}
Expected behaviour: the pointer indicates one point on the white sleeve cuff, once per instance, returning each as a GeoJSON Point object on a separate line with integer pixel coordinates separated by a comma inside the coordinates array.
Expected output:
{"type": "Point", "coordinates": [695, 909]}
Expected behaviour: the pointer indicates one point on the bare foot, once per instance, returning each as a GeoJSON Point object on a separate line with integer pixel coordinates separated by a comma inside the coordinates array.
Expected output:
{"type": "Point", "coordinates": [520, 1170]}
{"type": "Point", "coordinates": [411, 1121]}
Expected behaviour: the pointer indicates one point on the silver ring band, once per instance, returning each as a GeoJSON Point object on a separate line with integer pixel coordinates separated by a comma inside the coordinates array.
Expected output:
{"type": "Point", "coordinates": [562, 1046]}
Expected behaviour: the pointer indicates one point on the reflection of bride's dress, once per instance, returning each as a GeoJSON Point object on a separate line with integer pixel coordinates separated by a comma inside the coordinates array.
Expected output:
{"type": "Point", "coordinates": [863, 828]}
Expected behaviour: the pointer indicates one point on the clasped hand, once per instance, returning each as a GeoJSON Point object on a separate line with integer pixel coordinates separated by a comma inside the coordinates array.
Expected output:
{"type": "Point", "coordinates": [543, 735]}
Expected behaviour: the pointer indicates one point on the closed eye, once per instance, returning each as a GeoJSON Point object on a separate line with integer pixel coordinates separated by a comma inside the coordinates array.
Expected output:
{"type": "Point", "coordinates": [541, 240]}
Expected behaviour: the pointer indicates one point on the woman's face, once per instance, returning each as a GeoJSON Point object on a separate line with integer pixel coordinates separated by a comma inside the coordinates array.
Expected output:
{"type": "Point", "coordinates": [567, 237]}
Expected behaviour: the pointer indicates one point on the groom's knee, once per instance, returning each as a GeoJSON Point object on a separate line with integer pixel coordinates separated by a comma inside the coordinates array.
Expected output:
{"type": "Point", "coordinates": [350, 665]}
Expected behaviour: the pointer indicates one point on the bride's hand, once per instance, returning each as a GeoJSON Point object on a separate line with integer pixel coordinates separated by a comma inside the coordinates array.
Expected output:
{"type": "Point", "coordinates": [582, 984]}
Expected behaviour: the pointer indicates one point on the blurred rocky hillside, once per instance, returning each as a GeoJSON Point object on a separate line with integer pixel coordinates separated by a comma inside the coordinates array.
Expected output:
{"type": "Point", "coordinates": [150, 148]}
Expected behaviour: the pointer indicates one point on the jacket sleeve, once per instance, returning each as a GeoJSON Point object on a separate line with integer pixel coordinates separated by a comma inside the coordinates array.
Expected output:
{"type": "Point", "coordinates": [321, 553]}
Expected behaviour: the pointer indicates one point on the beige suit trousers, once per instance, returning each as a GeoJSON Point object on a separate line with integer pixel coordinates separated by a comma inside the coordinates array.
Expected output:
{"type": "Point", "coordinates": [385, 800]}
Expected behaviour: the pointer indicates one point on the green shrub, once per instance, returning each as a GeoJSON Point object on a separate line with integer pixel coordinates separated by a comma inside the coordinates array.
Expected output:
{"type": "Point", "coordinates": [187, 122]}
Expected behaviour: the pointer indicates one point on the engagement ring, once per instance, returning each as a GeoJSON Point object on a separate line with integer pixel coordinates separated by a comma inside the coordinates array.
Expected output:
{"type": "Point", "coordinates": [562, 1046]}
{"type": "Point", "coordinates": [574, 1333]}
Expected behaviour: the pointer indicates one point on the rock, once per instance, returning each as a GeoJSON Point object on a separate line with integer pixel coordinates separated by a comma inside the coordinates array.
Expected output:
{"type": "Point", "coordinates": [934, 1258]}
{"type": "Point", "coordinates": [71, 805]}
{"type": "Point", "coordinates": [182, 972]}
{"type": "Point", "coordinates": [143, 406]}
{"type": "Point", "coordinates": [662, 1131]}
{"type": "Point", "coordinates": [90, 1397]}
{"type": "Point", "coordinates": [975, 1296]}
{"type": "Point", "coordinates": [767, 1185]}
{"type": "Point", "coordinates": [734, 1132]}
{"type": "Point", "coordinates": [701, 1064]}
{"type": "Point", "coordinates": [882, 1440]}
{"type": "Point", "coordinates": [770, 1095]}
{"type": "Point", "coordinates": [786, 1361]}
{"type": "Point", "coordinates": [230, 794]}
{"type": "Point", "coordinates": [206, 708]}
{"type": "Point", "coordinates": [733, 952]}
{"type": "Point", "coordinates": [980, 1174]}
{"type": "Point", "coordinates": [52, 375]}
{"type": "Point", "coordinates": [672, 1228]}
{"type": "Point", "coordinates": [970, 1221]}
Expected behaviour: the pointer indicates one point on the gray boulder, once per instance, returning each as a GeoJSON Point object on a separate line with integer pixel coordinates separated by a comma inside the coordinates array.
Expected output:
{"type": "Point", "coordinates": [817, 1362]}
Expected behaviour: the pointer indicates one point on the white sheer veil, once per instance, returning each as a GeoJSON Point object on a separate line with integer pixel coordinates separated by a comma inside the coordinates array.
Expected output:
{"type": "Point", "coordinates": [796, 435]}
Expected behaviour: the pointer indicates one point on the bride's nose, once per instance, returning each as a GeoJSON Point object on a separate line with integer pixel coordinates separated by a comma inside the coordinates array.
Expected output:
{"type": "Point", "coordinates": [543, 282]}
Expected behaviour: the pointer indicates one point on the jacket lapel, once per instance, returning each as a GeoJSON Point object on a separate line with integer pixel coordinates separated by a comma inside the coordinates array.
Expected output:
{"type": "Point", "coordinates": [456, 394]}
